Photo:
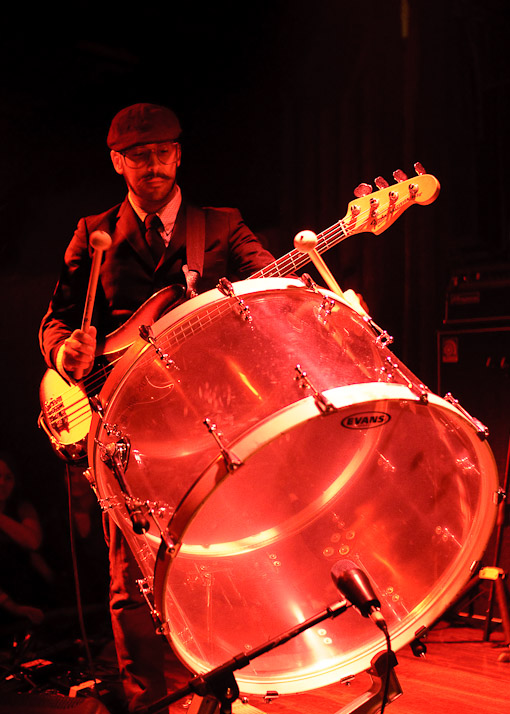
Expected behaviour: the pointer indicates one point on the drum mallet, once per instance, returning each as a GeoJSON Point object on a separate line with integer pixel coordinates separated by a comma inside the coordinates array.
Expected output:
{"type": "Point", "coordinates": [305, 242]}
{"type": "Point", "coordinates": [100, 241]}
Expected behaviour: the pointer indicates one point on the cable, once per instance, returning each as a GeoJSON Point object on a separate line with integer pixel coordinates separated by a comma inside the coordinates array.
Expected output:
{"type": "Point", "coordinates": [77, 587]}
{"type": "Point", "coordinates": [388, 670]}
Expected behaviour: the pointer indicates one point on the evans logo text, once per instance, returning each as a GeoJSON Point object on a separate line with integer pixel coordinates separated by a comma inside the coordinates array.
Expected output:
{"type": "Point", "coordinates": [366, 420]}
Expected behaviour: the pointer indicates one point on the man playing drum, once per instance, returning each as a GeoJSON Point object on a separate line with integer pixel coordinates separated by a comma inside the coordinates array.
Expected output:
{"type": "Point", "coordinates": [157, 240]}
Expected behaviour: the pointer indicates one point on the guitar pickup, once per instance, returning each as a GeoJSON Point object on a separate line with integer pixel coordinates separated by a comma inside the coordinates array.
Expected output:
{"type": "Point", "coordinates": [57, 415]}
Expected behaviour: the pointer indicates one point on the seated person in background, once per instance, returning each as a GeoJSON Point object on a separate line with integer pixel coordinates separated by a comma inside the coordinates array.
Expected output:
{"type": "Point", "coordinates": [23, 572]}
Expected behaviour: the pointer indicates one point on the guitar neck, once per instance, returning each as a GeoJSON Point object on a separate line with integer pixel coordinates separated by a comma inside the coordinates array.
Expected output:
{"type": "Point", "coordinates": [296, 259]}
{"type": "Point", "coordinates": [368, 213]}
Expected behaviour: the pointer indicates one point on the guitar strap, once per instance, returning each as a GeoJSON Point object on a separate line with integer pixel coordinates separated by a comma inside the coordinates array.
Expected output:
{"type": "Point", "coordinates": [195, 248]}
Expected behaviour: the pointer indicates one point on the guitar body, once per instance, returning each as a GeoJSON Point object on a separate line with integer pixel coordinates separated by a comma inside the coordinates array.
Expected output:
{"type": "Point", "coordinates": [65, 415]}
{"type": "Point", "coordinates": [66, 410]}
{"type": "Point", "coordinates": [152, 309]}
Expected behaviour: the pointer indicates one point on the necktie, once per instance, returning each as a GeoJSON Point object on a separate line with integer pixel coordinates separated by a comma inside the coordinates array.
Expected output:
{"type": "Point", "coordinates": [153, 236]}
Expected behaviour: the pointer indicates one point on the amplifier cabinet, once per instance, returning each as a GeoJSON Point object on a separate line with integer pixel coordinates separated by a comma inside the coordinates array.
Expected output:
{"type": "Point", "coordinates": [473, 364]}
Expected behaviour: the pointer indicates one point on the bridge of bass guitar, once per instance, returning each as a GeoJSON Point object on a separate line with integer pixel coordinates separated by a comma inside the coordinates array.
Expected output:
{"type": "Point", "coordinates": [66, 415]}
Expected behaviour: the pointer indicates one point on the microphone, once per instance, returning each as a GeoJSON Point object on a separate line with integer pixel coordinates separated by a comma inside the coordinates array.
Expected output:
{"type": "Point", "coordinates": [356, 587]}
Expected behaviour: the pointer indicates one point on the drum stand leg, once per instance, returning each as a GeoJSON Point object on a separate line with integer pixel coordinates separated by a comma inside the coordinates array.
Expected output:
{"type": "Point", "coordinates": [494, 574]}
{"type": "Point", "coordinates": [497, 575]}
{"type": "Point", "coordinates": [497, 585]}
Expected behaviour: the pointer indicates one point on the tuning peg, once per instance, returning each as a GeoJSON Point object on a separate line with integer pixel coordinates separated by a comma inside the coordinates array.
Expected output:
{"type": "Point", "coordinates": [399, 175]}
{"type": "Point", "coordinates": [381, 182]}
{"type": "Point", "coordinates": [362, 190]}
{"type": "Point", "coordinates": [419, 169]}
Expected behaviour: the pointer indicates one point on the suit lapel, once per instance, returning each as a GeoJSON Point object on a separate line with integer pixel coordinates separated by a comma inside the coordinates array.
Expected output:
{"type": "Point", "coordinates": [128, 228]}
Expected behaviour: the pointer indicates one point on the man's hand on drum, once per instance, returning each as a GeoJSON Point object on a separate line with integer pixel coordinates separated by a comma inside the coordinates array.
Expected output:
{"type": "Point", "coordinates": [356, 300]}
{"type": "Point", "coordinates": [76, 356]}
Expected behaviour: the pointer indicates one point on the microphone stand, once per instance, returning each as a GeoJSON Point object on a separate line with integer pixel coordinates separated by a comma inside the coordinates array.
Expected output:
{"type": "Point", "coordinates": [218, 688]}
{"type": "Point", "coordinates": [220, 682]}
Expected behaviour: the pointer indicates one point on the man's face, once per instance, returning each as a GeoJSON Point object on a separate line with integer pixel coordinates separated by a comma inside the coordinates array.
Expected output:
{"type": "Point", "coordinates": [149, 171]}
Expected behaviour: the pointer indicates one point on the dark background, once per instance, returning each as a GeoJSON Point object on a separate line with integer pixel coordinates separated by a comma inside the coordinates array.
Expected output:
{"type": "Point", "coordinates": [286, 107]}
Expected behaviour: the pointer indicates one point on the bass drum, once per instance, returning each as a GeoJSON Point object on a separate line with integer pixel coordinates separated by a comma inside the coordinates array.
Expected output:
{"type": "Point", "coordinates": [287, 477]}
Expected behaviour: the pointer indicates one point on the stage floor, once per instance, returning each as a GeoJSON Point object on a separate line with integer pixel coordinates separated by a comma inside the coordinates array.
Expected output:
{"type": "Point", "coordinates": [460, 672]}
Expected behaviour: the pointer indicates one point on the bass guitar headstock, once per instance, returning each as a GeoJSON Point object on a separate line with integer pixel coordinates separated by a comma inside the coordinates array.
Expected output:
{"type": "Point", "coordinates": [375, 211]}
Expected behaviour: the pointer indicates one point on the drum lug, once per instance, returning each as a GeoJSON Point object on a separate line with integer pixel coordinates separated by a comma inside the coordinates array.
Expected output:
{"type": "Point", "coordinates": [499, 496]}
{"type": "Point", "coordinates": [117, 452]}
{"type": "Point", "coordinates": [97, 406]}
{"type": "Point", "coordinates": [325, 309]}
{"type": "Point", "coordinates": [419, 389]}
{"type": "Point", "coordinates": [146, 590]}
{"type": "Point", "coordinates": [116, 455]}
{"type": "Point", "coordinates": [309, 282]}
{"type": "Point", "coordinates": [231, 461]}
{"type": "Point", "coordinates": [327, 304]}
{"type": "Point", "coordinates": [422, 393]}
{"type": "Point", "coordinates": [89, 475]}
{"type": "Point", "coordinates": [147, 334]}
{"type": "Point", "coordinates": [481, 430]}
{"type": "Point", "coordinates": [384, 338]}
{"type": "Point", "coordinates": [163, 532]}
{"type": "Point", "coordinates": [110, 502]}
{"type": "Point", "coordinates": [226, 287]}
{"type": "Point", "coordinates": [323, 404]}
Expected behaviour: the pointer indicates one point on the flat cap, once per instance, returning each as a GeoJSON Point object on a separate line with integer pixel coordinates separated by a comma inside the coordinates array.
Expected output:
{"type": "Point", "coordinates": [142, 124]}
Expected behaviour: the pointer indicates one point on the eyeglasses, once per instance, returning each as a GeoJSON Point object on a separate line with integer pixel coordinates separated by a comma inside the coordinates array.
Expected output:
{"type": "Point", "coordinates": [139, 156]}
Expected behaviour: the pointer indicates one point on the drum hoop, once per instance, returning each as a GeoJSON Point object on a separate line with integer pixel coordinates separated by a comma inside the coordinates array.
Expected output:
{"type": "Point", "coordinates": [241, 288]}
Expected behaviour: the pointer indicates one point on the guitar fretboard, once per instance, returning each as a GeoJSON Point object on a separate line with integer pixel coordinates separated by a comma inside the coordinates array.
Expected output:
{"type": "Point", "coordinates": [295, 259]}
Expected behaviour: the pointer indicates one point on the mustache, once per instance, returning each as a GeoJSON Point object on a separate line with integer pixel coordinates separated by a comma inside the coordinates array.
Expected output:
{"type": "Point", "coordinates": [155, 174]}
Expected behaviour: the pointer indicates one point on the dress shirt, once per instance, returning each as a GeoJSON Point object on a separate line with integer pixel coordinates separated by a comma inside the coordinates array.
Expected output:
{"type": "Point", "coordinates": [168, 214]}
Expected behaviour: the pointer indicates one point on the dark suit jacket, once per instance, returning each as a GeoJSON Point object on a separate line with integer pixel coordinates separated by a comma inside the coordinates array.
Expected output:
{"type": "Point", "coordinates": [129, 275]}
